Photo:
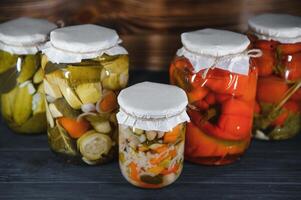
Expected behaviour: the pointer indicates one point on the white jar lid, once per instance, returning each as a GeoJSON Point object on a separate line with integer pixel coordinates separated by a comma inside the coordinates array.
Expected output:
{"type": "Point", "coordinates": [24, 35]}
{"type": "Point", "coordinates": [208, 48]}
{"type": "Point", "coordinates": [213, 42]}
{"type": "Point", "coordinates": [74, 43]}
{"type": "Point", "coordinates": [152, 106]}
{"type": "Point", "coordinates": [279, 27]}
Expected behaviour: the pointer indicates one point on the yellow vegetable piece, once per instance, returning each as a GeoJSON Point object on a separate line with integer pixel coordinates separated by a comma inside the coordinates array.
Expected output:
{"type": "Point", "coordinates": [35, 124]}
{"type": "Point", "coordinates": [89, 92]}
{"type": "Point", "coordinates": [38, 103]}
{"type": "Point", "coordinates": [7, 61]}
{"type": "Point", "coordinates": [38, 76]}
{"type": "Point", "coordinates": [69, 94]}
{"type": "Point", "coordinates": [28, 68]}
{"type": "Point", "coordinates": [93, 145]}
{"type": "Point", "coordinates": [22, 108]}
{"type": "Point", "coordinates": [7, 103]}
{"type": "Point", "coordinates": [155, 170]}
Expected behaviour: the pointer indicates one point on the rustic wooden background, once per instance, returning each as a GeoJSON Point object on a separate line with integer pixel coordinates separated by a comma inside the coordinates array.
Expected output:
{"type": "Point", "coordinates": [150, 29]}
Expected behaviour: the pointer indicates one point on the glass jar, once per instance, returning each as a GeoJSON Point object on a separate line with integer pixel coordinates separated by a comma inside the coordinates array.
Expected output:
{"type": "Point", "coordinates": [21, 75]}
{"type": "Point", "coordinates": [278, 99]}
{"type": "Point", "coordinates": [221, 94]}
{"type": "Point", "coordinates": [81, 97]}
{"type": "Point", "coordinates": [151, 134]}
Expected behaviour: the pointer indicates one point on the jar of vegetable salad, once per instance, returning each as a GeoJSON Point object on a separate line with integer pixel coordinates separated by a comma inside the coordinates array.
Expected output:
{"type": "Point", "coordinates": [21, 75]}
{"type": "Point", "coordinates": [85, 67]}
{"type": "Point", "coordinates": [152, 125]}
{"type": "Point", "coordinates": [278, 105]}
{"type": "Point", "coordinates": [213, 68]}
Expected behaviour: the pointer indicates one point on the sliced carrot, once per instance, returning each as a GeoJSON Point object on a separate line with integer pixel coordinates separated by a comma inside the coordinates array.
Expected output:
{"type": "Point", "coordinates": [172, 135]}
{"type": "Point", "coordinates": [160, 158]}
{"type": "Point", "coordinates": [162, 148]}
{"type": "Point", "coordinates": [287, 49]}
{"type": "Point", "coordinates": [271, 89]}
{"type": "Point", "coordinates": [173, 169]}
{"type": "Point", "coordinates": [134, 175]}
{"type": "Point", "coordinates": [109, 102]}
{"type": "Point", "coordinates": [74, 127]}
{"type": "Point", "coordinates": [173, 153]}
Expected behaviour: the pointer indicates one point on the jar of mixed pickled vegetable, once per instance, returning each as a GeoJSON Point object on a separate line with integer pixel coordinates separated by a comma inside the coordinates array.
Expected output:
{"type": "Point", "coordinates": [85, 67]}
{"type": "Point", "coordinates": [278, 99]}
{"type": "Point", "coordinates": [152, 126]}
{"type": "Point", "coordinates": [213, 68]}
{"type": "Point", "coordinates": [21, 75]}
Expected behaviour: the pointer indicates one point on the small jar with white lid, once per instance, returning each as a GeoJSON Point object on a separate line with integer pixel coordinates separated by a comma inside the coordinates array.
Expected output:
{"type": "Point", "coordinates": [214, 69]}
{"type": "Point", "coordinates": [278, 98]}
{"type": "Point", "coordinates": [85, 68]}
{"type": "Point", "coordinates": [21, 75]}
{"type": "Point", "coordinates": [152, 122]}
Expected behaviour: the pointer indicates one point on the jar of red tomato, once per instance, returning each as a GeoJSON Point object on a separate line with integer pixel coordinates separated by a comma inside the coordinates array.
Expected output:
{"type": "Point", "coordinates": [278, 100]}
{"type": "Point", "coordinates": [213, 68]}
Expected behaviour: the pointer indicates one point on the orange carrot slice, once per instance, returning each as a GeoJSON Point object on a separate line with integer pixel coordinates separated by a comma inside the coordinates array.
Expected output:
{"type": "Point", "coordinates": [172, 135]}
{"type": "Point", "coordinates": [109, 102]}
{"type": "Point", "coordinates": [74, 127]}
{"type": "Point", "coordinates": [134, 175]}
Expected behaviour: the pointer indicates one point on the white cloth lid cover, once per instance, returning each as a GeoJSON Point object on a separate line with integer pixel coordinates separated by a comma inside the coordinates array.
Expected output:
{"type": "Point", "coordinates": [279, 27]}
{"type": "Point", "coordinates": [152, 106]}
{"type": "Point", "coordinates": [74, 43]}
{"type": "Point", "coordinates": [224, 49]}
{"type": "Point", "coordinates": [24, 35]}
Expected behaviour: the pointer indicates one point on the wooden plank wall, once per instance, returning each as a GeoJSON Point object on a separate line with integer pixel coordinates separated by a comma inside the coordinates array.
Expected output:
{"type": "Point", "coordinates": [150, 29]}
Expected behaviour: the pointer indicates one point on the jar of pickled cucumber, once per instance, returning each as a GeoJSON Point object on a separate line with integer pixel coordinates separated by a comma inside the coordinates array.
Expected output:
{"type": "Point", "coordinates": [85, 67]}
{"type": "Point", "coordinates": [152, 121]}
{"type": "Point", "coordinates": [278, 99]}
{"type": "Point", "coordinates": [21, 75]}
{"type": "Point", "coordinates": [213, 68]}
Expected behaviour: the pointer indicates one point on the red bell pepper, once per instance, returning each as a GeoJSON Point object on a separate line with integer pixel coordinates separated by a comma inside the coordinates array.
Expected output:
{"type": "Point", "coordinates": [265, 63]}
{"type": "Point", "coordinates": [292, 66]}
{"type": "Point", "coordinates": [199, 144]}
{"type": "Point", "coordinates": [233, 123]}
{"type": "Point", "coordinates": [271, 89]}
{"type": "Point", "coordinates": [288, 49]}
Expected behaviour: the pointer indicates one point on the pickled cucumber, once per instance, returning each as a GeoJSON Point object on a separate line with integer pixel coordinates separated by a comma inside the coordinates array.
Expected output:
{"type": "Point", "coordinates": [69, 94]}
{"type": "Point", "coordinates": [39, 75]}
{"type": "Point", "coordinates": [22, 106]}
{"type": "Point", "coordinates": [7, 104]}
{"type": "Point", "coordinates": [118, 65]}
{"type": "Point", "coordinates": [93, 145]}
{"type": "Point", "coordinates": [36, 124]}
{"type": "Point", "coordinates": [7, 61]}
{"type": "Point", "coordinates": [60, 141]}
{"type": "Point", "coordinates": [82, 74]}
{"type": "Point", "coordinates": [8, 80]}
{"type": "Point", "coordinates": [29, 66]}
{"type": "Point", "coordinates": [62, 106]}
{"type": "Point", "coordinates": [89, 92]}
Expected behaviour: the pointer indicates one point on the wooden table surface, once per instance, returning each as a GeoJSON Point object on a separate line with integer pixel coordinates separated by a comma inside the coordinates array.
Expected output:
{"type": "Point", "coordinates": [29, 170]}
